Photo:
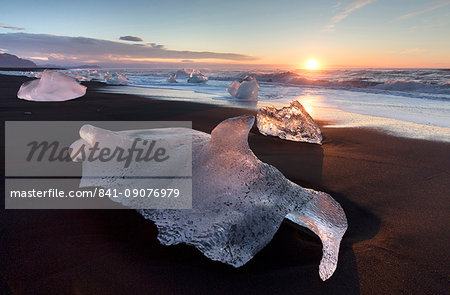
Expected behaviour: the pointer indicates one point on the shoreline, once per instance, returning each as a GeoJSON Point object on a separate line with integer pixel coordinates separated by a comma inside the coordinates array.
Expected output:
{"type": "Point", "coordinates": [394, 192]}
{"type": "Point", "coordinates": [321, 109]}
{"type": "Point", "coordinates": [336, 117]}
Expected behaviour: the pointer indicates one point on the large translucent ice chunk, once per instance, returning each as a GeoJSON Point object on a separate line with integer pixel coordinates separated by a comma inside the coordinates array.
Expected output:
{"type": "Point", "coordinates": [116, 79]}
{"type": "Point", "coordinates": [233, 88]}
{"type": "Point", "coordinates": [52, 86]}
{"type": "Point", "coordinates": [291, 123]}
{"type": "Point", "coordinates": [247, 89]}
{"type": "Point", "coordinates": [172, 78]}
{"type": "Point", "coordinates": [94, 74]}
{"type": "Point", "coordinates": [182, 73]}
{"type": "Point", "coordinates": [238, 202]}
{"type": "Point", "coordinates": [79, 75]}
{"type": "Point", "coordinates": [197, 77]}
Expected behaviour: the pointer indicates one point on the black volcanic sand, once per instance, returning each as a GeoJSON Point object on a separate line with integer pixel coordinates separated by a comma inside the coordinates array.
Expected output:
{"type": "Point", "coordinates": [395, 193]}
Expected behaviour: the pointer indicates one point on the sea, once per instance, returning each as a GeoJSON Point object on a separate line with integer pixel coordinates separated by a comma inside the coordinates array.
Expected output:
{"type": "Point", "coordinates": [412, 103]}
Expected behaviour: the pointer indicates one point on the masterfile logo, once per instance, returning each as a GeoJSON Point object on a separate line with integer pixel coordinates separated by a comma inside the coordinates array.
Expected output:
{"type": "Point", "coordinates": [55, 165]}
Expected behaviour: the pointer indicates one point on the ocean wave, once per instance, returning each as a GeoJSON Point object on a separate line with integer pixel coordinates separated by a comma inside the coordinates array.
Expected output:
{"type": "Point", "coordinates": [414, 81]}
{"type": "Point", "coordinates": [404, 85]}
{"type": "Point", "coordinates": [421, 83]}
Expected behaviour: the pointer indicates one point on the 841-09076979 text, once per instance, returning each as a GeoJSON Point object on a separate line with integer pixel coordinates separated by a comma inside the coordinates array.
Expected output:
{"type": "Point", "coordinates": [140, 193]}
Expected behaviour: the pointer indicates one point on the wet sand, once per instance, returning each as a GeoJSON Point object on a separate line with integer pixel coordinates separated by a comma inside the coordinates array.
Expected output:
{"type": "Point", "coordinates": [395, 192]}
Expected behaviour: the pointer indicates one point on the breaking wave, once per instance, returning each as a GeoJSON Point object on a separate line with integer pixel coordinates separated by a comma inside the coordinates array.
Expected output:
{"type": "Point", "coordinates": [419, 83]}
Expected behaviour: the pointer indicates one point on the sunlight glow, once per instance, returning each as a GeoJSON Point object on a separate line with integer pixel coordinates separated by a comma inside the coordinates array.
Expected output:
{"type": "Point", "coordinates": [312, 64]}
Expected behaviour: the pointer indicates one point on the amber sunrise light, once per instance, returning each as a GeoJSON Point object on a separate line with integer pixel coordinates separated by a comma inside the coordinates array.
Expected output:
{"type": "Point", "coordinates": [312, 64]}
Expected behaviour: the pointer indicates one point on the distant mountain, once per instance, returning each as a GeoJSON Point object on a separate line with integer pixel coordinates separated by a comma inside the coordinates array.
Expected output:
{"type": "Point", "coordinates": [12, 61]}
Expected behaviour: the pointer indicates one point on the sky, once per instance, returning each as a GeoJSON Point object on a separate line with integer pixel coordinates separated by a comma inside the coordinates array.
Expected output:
{"type": "Point", "coordinates": [284, 34]}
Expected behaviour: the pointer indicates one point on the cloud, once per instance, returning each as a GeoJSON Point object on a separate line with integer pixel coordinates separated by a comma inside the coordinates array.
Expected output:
{"type": "Point", "coordinates": [345, 12]}
{"type": "Point", "coordinates": [187, 61]}
{"type": "Point", "coordinates": [131, 38]}
{"type": "Point", "coordinates": [429, 8]}
{"type": "Point", "coordinates": [154, 45]}
{"type": "Point", "coordinates": [6, 26]}
{"type": "Point", "coordinates": [81, 49]}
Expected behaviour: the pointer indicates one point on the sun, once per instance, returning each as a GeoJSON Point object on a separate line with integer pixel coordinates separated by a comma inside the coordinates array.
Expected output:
{"type": "Point", "coordinates": [312, 64]}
